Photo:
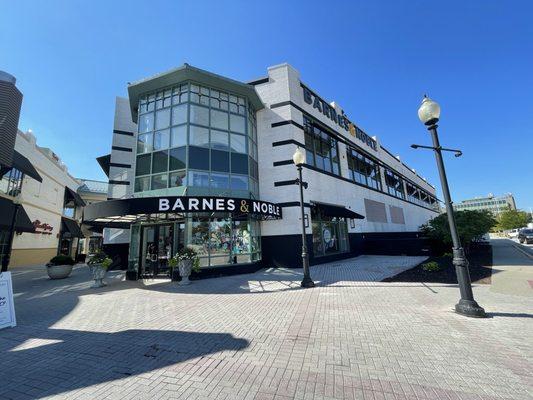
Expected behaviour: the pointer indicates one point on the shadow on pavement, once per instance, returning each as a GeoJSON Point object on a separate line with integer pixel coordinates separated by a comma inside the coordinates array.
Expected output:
{"type": "Point", "coordinates": [54, 361]}
{"type": "Point", "coordinates": [509, 315]}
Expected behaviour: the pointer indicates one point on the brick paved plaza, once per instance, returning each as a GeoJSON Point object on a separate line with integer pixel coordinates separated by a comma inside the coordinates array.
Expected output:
{"type": "Point", "coordinates": [259, 336]}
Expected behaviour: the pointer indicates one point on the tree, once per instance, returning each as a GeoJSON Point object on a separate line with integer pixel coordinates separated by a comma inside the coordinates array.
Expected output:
{"type": "Point", "coordinates": [513, 219]}
{"type": "Point", "coordinates": [471, 226]}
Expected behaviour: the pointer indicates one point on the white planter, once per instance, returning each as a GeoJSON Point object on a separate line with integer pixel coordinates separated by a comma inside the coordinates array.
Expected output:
{"type": "Point", "coordinates": [99, 274]}
{"type": "Point", "coordinates": [58, 271]}
{"type": "Point", "coordinates": [185, 268]}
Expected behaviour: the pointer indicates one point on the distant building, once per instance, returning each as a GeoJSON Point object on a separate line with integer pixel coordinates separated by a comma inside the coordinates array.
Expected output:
{"type": "Point", "coordinates": [495, 204]}
{"type": "Point", "coordinates": [91, 191]}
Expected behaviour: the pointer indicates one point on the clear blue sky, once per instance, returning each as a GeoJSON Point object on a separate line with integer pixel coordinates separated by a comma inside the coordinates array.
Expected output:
{"type": "Point", "coordinates": [375, 58]}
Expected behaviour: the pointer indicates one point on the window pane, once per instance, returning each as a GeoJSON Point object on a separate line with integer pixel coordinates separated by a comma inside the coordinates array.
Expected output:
{"type": "Point", "coordinates": [146, 123]}
{"type": "Point", "coordinates": [161, 139]}
{"type": "Point", "coordinates": [177, 158]}
{"type": "Point", "coordinates": [219, 140]}
{"type": "Point", "coordinates": [237, 123]}
{"type": "Point", "coordinates": [162, 119]}
{"type": "Point", "coordinates": [219, 181]}
{"type": "Point", "coordinates": [239, 163]}
{"type": "Point", "coordinates": [239, 182]}
{"type": "Point", "coordinates": [238, 143]}
{"type": "Point", "coordinates": [179, 114]}
{"type": "Point", "coordinates": [198, 179]}
{"type": "Point", "coordinates": [159, 181]}
{"type": "Point", "coordinates": [178, 136]}
{"type": "Point", "coordinates": [219, 119]}
{"type": "Point", "coordinates": [219, 161]}
{"type": "Point", "coordinates": [142, 184]}
{"type": "Point", "coordinates": [198, 136]}
{"type": "Point", "coordinates": [177, 179]}
{"type": "Point", "coordinates": [198, 158]}
{"type": "Point", "coordinates": [144, 143]}
{"type": "Point", "coordinates": [199, 115]}
{"type": "Point", "coordinates": [160, 161]}
{"type": "Point", "coordinates": [143, 165]}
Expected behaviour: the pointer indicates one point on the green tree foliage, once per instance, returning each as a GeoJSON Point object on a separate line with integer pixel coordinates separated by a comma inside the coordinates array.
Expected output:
{"type": "Point", "coordinates": [513, 219]}
{"type": "Point", "coordinates": [471, 226]}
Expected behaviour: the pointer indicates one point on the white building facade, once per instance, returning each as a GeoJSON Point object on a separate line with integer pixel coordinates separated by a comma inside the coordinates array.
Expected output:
{"type": "Point", "coordinates": [204, 161]}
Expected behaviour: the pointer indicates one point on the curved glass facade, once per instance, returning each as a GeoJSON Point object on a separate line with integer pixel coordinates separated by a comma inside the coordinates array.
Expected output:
{"type": "Point", "coordinates": [196, 140]}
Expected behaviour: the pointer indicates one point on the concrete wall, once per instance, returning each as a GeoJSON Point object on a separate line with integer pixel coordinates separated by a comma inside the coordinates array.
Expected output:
{"type": "Point", "coordinates": [284, 85]}
{"type": "Point", "coordinates": [42, 201]}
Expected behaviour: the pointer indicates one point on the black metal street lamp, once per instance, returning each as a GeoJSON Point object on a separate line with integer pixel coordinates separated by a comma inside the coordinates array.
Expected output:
{"type": "Point", "coordinates": [429, 113]}
{"type": "Point", "coordinates": [299, 159]}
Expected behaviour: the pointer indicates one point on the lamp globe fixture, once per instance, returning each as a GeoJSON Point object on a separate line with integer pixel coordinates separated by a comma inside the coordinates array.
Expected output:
{"type": "Point", "coordinates": [298, 157]}
{"type": "Point", "coordinates": [429, 111]}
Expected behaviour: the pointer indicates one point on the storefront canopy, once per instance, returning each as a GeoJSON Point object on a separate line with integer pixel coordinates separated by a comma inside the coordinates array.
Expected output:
{"type": "Point", "coordinates": [71, 227]}
{"type": "Point", "coordinates": [71, 195]}
{"type": "Point", "coordinates": [22, 223]}
{"type": "Point", "coordinates": [24, 165]}
{"type": "Point", "coordinates": [332, 210]}
{"type": "Point", "coordinates": [121, 213]}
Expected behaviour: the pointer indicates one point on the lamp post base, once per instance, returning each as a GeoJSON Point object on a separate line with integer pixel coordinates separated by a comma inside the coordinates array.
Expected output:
{"type": "Point", "coordinates": [307, 282]}
{"type": "Point", "coordinates": [470, 308]}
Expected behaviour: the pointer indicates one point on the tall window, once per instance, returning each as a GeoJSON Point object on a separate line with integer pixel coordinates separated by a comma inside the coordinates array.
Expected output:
{"type": "Point", "coordinates": [420, 196]}
{"type": "Point", "coordinates": [321, 148]}
{"type": "Point", "coordinates": [11, 182]}
{"type": "Point", "coordinates": [394, 184]}
{"type": "Point", "coordinates": [196, 136]}
{"type": "Point", "coordinates": [363, 170]}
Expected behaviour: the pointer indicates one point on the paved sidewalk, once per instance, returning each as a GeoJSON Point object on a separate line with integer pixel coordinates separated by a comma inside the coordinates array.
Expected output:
{"type": "Point", "coordinates": [259, 336]}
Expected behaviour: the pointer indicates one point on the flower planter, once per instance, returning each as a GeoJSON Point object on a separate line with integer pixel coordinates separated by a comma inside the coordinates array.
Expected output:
{"type": "Point", "coordinates": [185, 268]}
{"type": "Point", "coordinates": [58, 271]}
{"type": "Point", "coordinates": [99, 274]}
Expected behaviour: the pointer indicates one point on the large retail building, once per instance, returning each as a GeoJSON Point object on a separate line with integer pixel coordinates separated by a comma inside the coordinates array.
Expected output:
{"type": "Point", "coordinates": [205, 161]}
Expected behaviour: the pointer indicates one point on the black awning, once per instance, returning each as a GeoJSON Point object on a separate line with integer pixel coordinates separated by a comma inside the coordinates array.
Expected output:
{"type": "Point", "coordinates": [331, 210]}
{"type": "Point", "coordinates": [71, 227]}
{"type": "Point", "coordinates": [25, 166]}
{"type": "Point", "coordinates": [71, 195]}
{"type": "Point", "coordinates": [22, 223]}
{"type": "Point", "coordinates": [104, 163]}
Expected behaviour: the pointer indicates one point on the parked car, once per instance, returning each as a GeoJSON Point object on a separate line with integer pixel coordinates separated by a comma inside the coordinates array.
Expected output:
{"type": "Point", "coordinates": [525, 236]}
{"type": "Point", "coordinates": [513, 233]}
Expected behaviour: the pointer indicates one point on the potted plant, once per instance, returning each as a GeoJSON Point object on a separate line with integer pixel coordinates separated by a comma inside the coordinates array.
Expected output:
{"type": "Point", "coordinates": [188, 261]}
{"type": "Point", "coordinates": [60, 267]}
{"type": "Point", "coordinates": [173, 270]}
{"type": "Point", "coordinates": [98, 265]}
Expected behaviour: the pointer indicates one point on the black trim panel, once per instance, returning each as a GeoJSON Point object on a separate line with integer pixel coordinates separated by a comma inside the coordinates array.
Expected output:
{"type": "Point", "coordinates": [288, 103]}
{"type": "Point", "coordinates": [122, 148]}
{"type": "Point", "coordinates": [289, 141]}
{"type": "Point", "coordinates": [284, 162]}
{"type": "Point", "coordinates": [119, 165]}
{"type": "Point", "coordinates": [293, 204]}
{"type": "Point", "coordinates": [113, 182]}
{"type": "Point", "coordinates": [285, 183]}
{"type": "Point", "coordinates": [258, 81]}
{"type": "Point", "coordinates": [123, 132]}
{"type": "Point", "coordinates": [288, 122]}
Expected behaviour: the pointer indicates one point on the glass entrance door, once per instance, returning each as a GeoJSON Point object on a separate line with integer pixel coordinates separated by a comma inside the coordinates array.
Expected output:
{"type": "Point", "coordinates": [156, 249]}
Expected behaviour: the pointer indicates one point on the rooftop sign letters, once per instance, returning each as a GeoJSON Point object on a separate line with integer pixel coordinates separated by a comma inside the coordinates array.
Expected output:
{"type": "Point", "coordinates": [340, 119]}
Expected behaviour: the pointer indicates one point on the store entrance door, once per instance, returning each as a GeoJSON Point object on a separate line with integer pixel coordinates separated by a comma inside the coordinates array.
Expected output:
{"type": "Point", "coordinates": [156, 249]}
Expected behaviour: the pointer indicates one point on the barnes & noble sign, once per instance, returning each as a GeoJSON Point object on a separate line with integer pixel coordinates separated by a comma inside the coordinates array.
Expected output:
{"type": "Point", "coordinates": [340, 119]}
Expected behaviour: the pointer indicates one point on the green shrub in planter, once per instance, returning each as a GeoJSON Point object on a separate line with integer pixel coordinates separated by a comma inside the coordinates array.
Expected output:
{"type": "Point", "coordinates": [106, 263]}
{"type": "Point", "coordinates": [62, 260]}
{"type": "Point", "coordinates": [98, 258]}
{"type": "Point", "coordinates": [431, 266]}
{"type": "Point", "coordinates": [188, 253]}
